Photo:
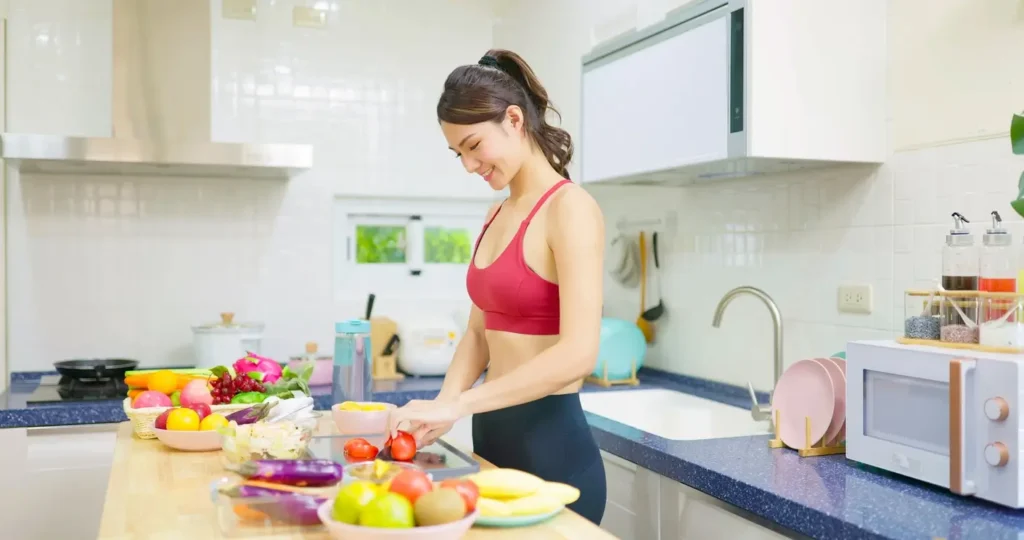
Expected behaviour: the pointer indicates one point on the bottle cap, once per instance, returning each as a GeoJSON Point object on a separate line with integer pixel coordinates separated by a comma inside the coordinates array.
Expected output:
{"type": "Point", "coordinates": [352, 326]}
{"type": "Point", "coordinates": [996, 235]}
{"type": "Point", "coordinates": [959, 235]}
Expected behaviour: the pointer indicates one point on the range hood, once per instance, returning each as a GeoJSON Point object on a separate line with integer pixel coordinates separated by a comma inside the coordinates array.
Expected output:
{"type": "Point", "coordinates": [162, 86]}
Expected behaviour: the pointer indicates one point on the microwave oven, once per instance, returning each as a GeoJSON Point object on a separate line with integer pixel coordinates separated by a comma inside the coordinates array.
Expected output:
{"type": "Point", "coordinates": [944, 416]}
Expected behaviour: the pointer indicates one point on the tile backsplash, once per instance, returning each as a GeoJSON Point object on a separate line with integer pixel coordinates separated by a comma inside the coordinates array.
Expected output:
{"type": "Point", "coordinates": [799, 237]}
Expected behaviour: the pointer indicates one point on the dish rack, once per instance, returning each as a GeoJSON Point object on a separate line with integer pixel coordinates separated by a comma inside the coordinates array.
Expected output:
{"type": "Point", "coordinates": [809, 450]}
{"type": "Point", "coordinates": [143, 419]}
{"type": "Point", "coordinates": [605, 382]}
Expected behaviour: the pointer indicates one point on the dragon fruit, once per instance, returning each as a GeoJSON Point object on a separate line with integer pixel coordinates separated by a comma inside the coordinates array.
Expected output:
{"type": "Point", "coordinates": [271, 370]}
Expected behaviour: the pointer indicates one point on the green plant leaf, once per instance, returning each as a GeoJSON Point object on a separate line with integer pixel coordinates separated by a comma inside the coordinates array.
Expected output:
{"type": "Point", "coordinates": [219, 370]}
{"type": "Point", "coordinates": [1018, 205]}
{"type": "Point", "coordinates": [1017, 134]}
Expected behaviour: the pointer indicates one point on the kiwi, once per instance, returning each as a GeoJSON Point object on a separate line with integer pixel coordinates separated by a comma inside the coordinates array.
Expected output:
{"type": "Point", "coordinates": [438, 507]}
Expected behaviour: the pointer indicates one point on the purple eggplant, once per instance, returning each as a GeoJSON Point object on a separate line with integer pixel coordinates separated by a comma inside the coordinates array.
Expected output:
{"type": "Point", "coordinates": [293, 472]}
{"type": "Point", "coordinates": [251, 415]}
{"type": "Point", "coordinates": [285, 506]}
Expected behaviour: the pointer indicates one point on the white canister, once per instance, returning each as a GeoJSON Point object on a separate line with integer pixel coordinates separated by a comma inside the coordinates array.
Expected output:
{"type": "Point", "coordinates": [224, 342]}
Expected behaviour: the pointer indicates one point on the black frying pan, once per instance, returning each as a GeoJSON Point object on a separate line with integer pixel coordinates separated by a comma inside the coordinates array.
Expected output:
{"type": "Point", "coordinates": [99, 369]}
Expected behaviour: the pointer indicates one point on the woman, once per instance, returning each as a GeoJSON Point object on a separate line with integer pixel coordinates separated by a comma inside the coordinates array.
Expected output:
{"type": "Point", "coordinates": [536, 284]}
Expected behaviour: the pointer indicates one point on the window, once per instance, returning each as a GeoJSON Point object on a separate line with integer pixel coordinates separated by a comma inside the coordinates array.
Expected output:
{"type": "Point", "coordinates": [404, 247]}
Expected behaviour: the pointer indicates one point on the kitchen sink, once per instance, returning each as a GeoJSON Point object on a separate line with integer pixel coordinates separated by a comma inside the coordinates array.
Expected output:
{"type": "Point", "coordinates": [672, 415]}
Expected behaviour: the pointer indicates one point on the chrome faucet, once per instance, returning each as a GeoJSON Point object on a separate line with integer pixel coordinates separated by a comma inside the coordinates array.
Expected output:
{"type": "Point", "coordinates": [758, 411]}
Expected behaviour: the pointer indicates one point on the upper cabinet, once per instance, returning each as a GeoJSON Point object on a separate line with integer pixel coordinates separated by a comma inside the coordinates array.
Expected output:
{"type": "Point", "coordinates": [732, 88]}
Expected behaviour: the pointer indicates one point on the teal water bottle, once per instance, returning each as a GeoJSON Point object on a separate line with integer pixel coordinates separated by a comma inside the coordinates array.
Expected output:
{"type": "Point", "coordinates": [353, 379]}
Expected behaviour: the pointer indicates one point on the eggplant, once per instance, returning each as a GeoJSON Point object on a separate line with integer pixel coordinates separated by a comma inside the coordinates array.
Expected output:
{"type": "Point", "coordinates": [251, 415]}
{"type": "Point", "coordinates": [286, 506]}
{"type": "Point", "coordinates": [293, 472]}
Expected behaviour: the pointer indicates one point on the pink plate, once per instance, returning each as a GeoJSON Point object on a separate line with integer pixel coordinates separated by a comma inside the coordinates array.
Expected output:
{"type": "Point", "coordinates": [839, 391]}
{"type": "Point", "coordinates": [804, 391]}
{"type": "Point", "coordinates": [841, 362]}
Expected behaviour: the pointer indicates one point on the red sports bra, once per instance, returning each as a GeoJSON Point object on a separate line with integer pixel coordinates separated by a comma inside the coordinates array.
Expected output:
{"type": "Point", "coordinates": [511, 295]}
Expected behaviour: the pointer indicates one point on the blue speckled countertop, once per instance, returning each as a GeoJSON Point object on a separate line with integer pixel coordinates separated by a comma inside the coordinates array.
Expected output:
{"type": "Point", "coordinates": [822, 497]}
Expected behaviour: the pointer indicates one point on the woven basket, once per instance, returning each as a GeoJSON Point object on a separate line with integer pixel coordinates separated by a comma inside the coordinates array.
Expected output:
{"type": "Point", "coordinates": [143, 419]}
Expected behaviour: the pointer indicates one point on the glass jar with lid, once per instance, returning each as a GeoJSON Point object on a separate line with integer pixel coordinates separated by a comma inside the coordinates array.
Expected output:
{"type": "Point", "coordinates": [922, 314]}
{"type": "Point", "coordinates": [958, 314]}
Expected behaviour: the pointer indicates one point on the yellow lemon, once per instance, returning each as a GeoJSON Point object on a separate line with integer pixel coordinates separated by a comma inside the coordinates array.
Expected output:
{"type": "Point", "coordinates": [163, 381]}
{"type": "Point", "coordinates": [212, 422]}
{"type": "Point", "coordinates": [182, 419]}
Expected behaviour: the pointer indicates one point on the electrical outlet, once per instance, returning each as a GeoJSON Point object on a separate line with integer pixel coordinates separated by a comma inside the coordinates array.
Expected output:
{"type": "Point", "coordinates": [855, 299]}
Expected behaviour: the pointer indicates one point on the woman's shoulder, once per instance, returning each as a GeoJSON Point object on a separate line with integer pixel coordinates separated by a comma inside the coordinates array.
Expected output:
{"type": "Point", "coordinates": [573, 209]}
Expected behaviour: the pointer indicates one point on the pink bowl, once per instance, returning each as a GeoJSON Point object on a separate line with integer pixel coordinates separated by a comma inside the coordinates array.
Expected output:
{"type": "Point", "coordinates": [361, 422]}
{"type": "Point", "coordinates": [804, 392]}
{"type": "Point", "coordinates": [448, 531]}
{"type": "Point", "coordinates": [323, 370]}
{"type": "Point", "coordinates": [190, 441]}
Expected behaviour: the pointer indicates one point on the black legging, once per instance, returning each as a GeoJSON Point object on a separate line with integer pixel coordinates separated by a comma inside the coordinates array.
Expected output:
{"type": "Point", "coordinates": [549, 438]}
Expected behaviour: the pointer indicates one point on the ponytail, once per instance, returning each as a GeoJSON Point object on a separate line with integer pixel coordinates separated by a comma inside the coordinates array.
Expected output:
{"type": "Point", "coordinates": [484, 91]}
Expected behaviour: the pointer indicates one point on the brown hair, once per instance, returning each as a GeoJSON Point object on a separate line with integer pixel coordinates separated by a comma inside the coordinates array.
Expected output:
{"type": "Point", "coordinates": [483, 92]}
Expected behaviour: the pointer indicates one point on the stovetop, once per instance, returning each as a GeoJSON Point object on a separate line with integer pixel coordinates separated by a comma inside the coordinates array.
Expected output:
{"type": "Point", "coordinates": [63, 389]}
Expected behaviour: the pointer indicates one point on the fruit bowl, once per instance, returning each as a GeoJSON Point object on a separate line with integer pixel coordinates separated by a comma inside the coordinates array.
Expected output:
{"type": "Point", "coordinates": [353, 418]}
{"type": "Point", "coordinates": [142, 419]}
{"type": "Point", "coordinates": [344, 531]}
{"type": "Point", "coordinates": [189, 441]}
{"type": "Point", "coordinates": [379, 472]}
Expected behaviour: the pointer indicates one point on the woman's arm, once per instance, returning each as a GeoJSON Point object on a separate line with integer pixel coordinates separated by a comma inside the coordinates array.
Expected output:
{"type": "Point", "coordinates": [470, 359]}
{"type": "Point", "coordinates": [576, 236]}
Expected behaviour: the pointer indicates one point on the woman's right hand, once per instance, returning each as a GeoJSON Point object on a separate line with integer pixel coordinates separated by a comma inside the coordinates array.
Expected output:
{"type": "Point", "coordinates": [424, 434]}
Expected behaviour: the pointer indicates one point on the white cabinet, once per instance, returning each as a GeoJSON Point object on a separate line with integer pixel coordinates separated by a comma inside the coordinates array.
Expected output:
{"type": "Point", "coordinates": [643, 505]}
{"type": "Point", "coordinates": [631, 512]}
{"type": "Point", "coordinates": [730, 88]}
{"type": "Point", "coordinates": [59, 471]}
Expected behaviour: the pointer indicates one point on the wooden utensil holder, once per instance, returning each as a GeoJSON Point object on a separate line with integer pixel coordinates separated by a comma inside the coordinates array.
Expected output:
{"type": "Point", "coordinates": [809, 450]}
{"type": "Point", "coordinates": [605, 382]}
{"type": "Point", "coordinates": [385, 368]}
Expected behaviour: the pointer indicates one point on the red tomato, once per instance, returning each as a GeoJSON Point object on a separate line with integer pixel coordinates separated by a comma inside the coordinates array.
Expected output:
{"type": "Point", "coordinates": [466, 488]}
{"type": "Point", "coordinates": [403, 447]}
{"type": "Point", "coordinates": [411, 484]}
{"type": "Point", "coordinates": [360, 449]}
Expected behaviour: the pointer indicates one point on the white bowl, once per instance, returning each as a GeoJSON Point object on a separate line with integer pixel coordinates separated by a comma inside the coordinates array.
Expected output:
{"type": "Point", "coordinates": [190, 441]}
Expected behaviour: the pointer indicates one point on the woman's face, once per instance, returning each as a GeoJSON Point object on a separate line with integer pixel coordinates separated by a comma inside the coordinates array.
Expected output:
{"type": "Point", "coordinates": [493, 150]}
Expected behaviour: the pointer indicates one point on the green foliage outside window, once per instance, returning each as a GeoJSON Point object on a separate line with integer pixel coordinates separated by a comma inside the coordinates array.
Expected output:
{"type": "Point", "coordinates": [446, 246]}
{"type": "Point", "coordinates": [380, 244]}
{"type": "Point", "coordinates": [386, 245]}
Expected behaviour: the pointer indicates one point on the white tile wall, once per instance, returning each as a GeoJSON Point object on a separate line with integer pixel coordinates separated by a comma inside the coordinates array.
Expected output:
{"type": "Point", "coordinates": [800, 236]}
{"type": "Point", "coordinates": [123, 266]}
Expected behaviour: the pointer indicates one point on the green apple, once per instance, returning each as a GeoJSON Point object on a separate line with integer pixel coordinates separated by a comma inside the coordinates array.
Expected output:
{"type": "Point", "coordinates": [176, 398]}
{"type": "Point", "coordinates": [388, 511]}
{"type": "Point", "coordinates": [351, 500]}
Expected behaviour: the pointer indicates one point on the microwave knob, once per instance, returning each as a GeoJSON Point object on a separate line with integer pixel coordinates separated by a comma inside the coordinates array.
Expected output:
{"type": "Point", "coordinates": [997, 409]}
{"type": "Point", "coordinates": [996, 454]}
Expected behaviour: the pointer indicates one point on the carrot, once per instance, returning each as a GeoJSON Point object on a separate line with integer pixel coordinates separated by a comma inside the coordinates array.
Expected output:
{"type": "Point", "coordinates": [137, 381]}
{"type": "Point", "coordinates": [247, 513]}
{"type": "Point", "coordinates": [185, 379]}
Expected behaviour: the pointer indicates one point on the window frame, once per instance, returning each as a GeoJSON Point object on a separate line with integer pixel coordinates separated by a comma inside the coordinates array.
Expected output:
{"type": "Point", "coordinates": [434, 280]}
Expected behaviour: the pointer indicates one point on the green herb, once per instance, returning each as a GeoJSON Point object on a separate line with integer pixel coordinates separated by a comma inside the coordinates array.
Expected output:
{"type": "Point", "coordinates": [1017, 144]}
{"type": "Point", "coordinates": [220, 370]}
{"type": "Point", "coordinates": [249, 397]}
{"type": "Point", "coordinates": [291, 382]}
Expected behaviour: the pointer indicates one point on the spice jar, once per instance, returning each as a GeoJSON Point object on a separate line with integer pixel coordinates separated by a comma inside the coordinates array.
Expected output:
{"type": "Point", "coordinates": [958, 317]}
{"type": "Point", "coordinates": [1001, 324]}
{"type": "Point", "coordinates": [922, 315]}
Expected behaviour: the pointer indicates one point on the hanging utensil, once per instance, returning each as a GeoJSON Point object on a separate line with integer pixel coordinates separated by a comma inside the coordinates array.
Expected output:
{"type": "Point", "coordinates": [657, 311]}
{"type": "Point", "coordinates": [645, 326]}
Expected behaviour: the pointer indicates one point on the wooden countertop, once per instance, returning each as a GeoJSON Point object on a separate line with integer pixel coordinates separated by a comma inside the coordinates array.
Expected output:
{"type": "Point", "coordinates": [158, 493]}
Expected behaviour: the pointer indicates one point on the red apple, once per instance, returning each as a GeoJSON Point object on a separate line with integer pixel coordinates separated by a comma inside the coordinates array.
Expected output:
{"type": "Point", "coordinates": [161, 421]}
{"type": "Point", "coordinates": [201, 408]}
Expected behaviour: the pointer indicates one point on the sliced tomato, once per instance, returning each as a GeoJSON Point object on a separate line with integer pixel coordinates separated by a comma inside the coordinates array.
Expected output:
{"type": "Point", "coordinates": [360, 449]}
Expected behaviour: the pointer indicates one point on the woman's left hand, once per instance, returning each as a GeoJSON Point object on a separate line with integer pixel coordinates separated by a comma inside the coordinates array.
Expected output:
{"type": "Point", "coordinates": [423, 415]}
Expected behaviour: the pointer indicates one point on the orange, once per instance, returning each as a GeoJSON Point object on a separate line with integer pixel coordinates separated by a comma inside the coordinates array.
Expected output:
{"type": "Point", "coordinates": [182, 419]}
{"type": "Point", "coordinates": [212, 422]}
{"type": "Point", "coordinates": [163, 381]}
